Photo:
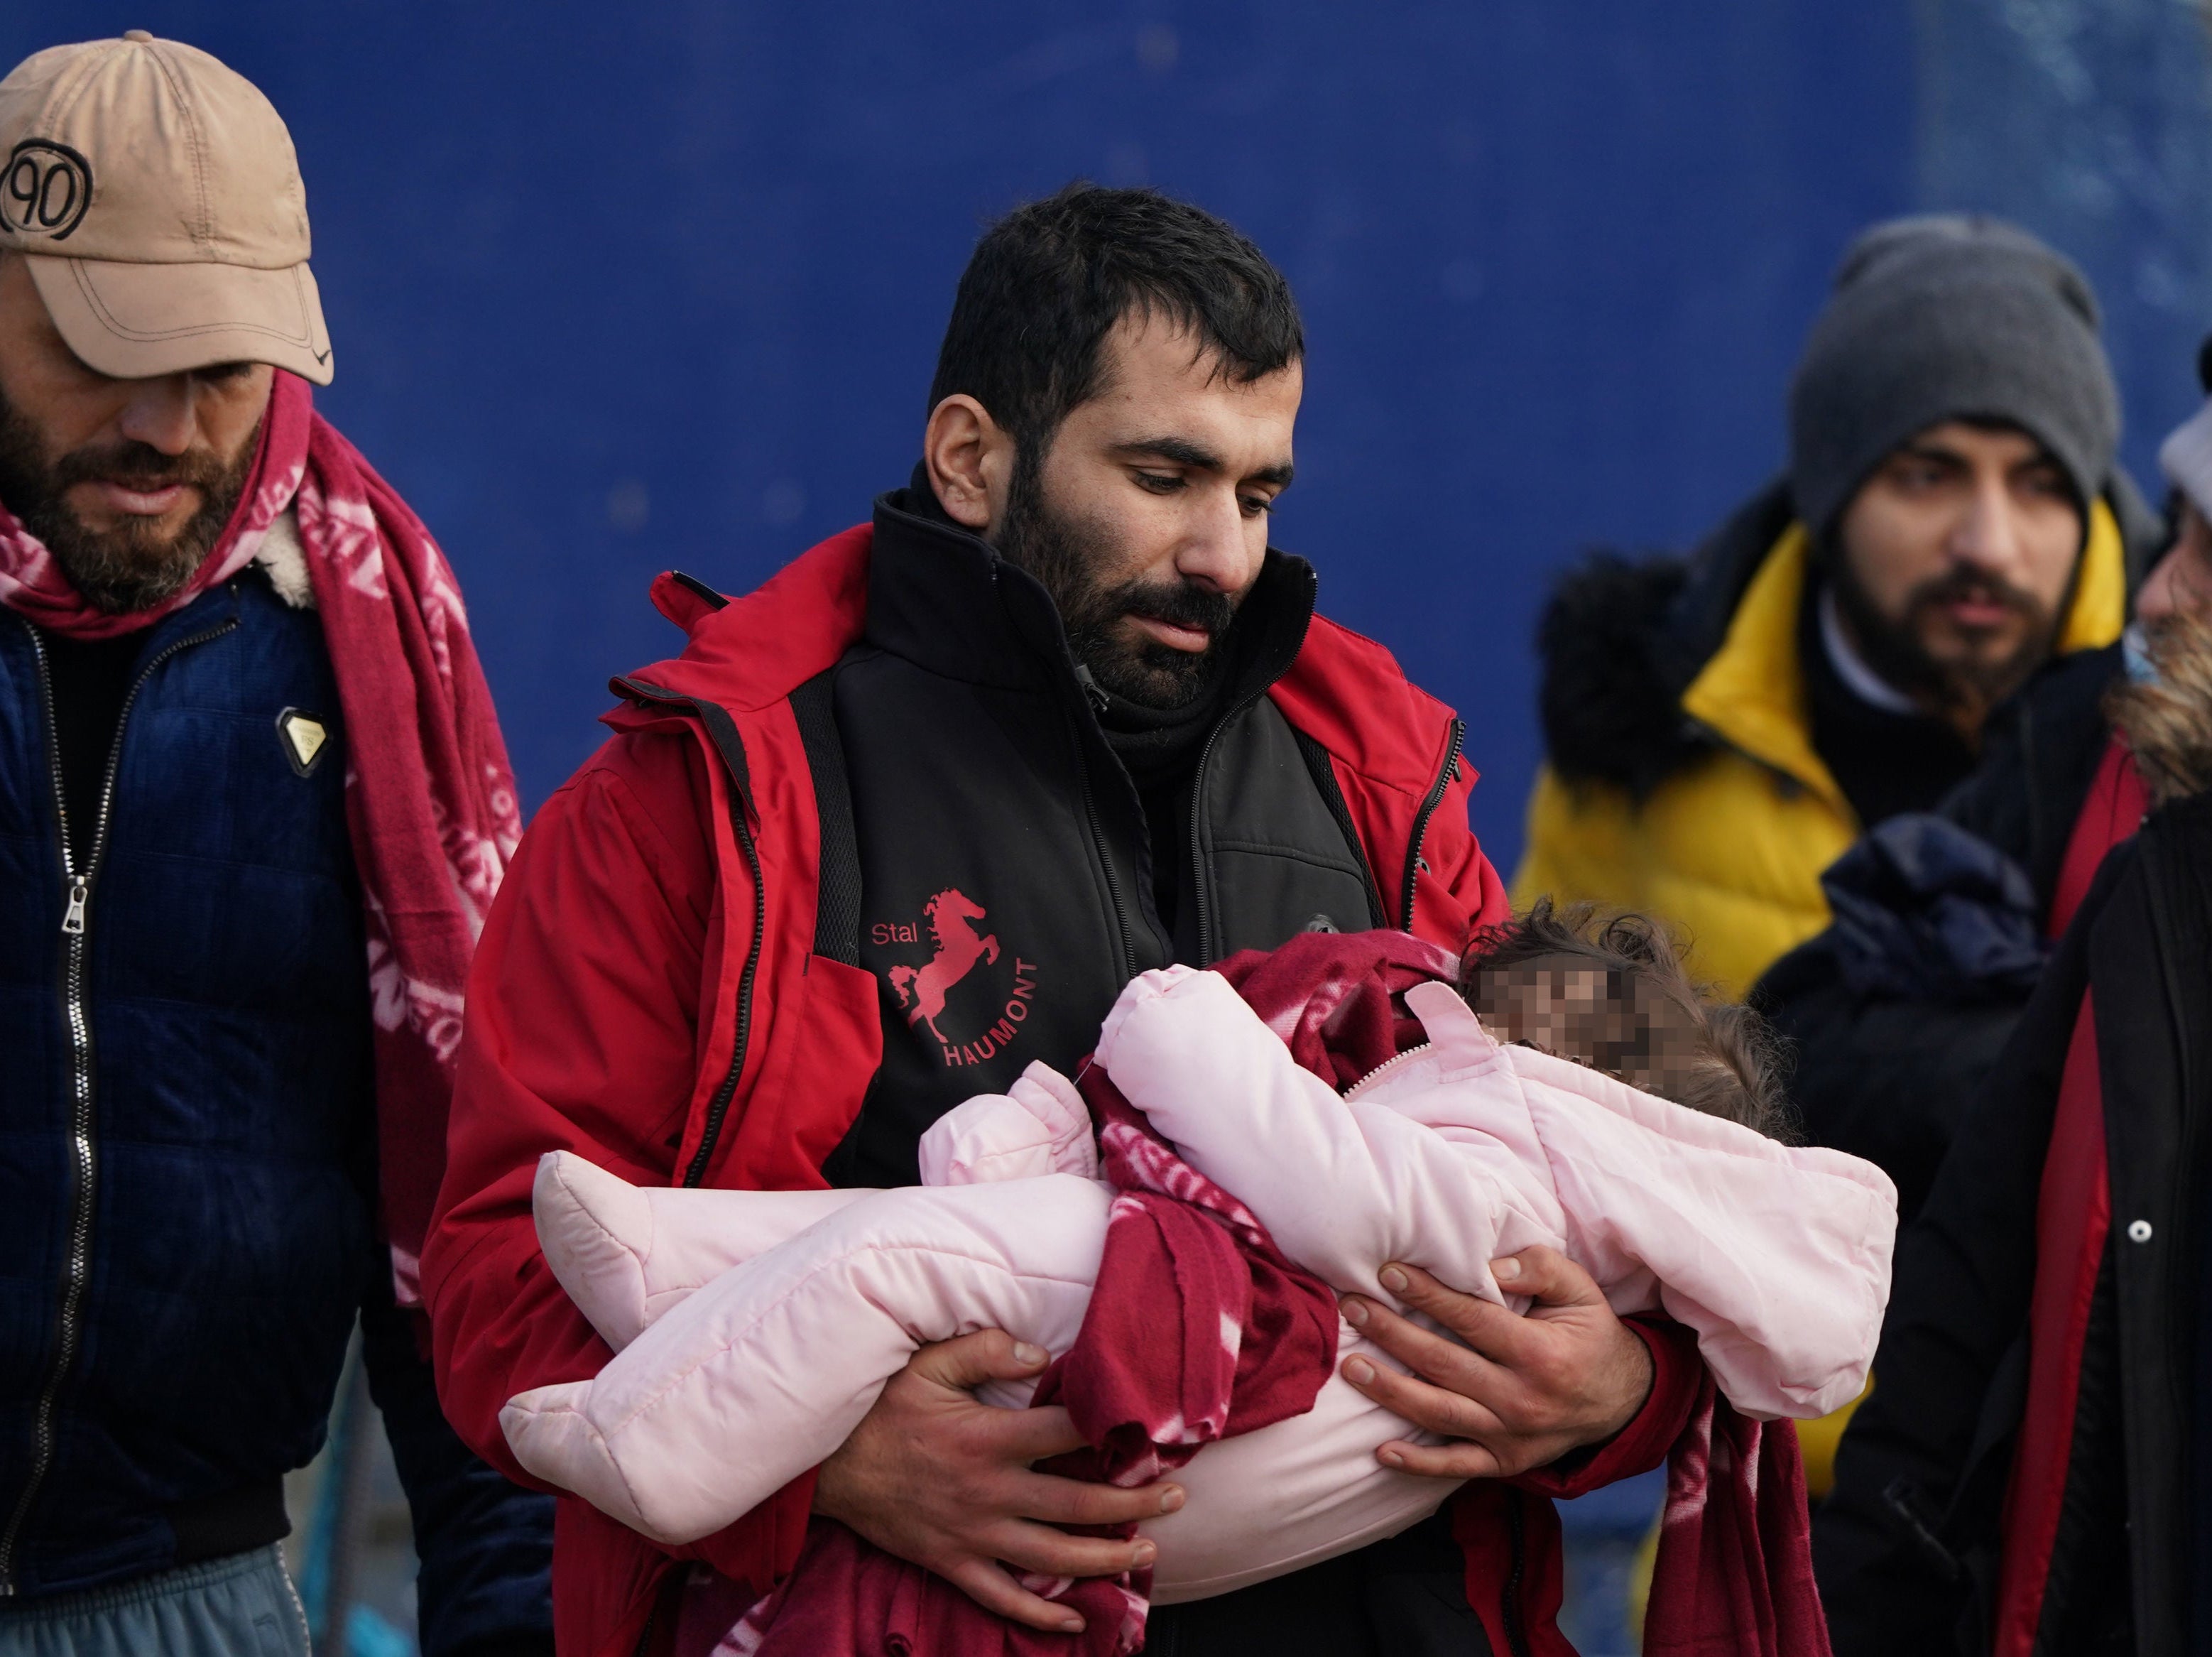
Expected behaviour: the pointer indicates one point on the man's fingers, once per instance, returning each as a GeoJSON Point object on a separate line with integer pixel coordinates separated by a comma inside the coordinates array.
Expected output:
{"type": "Point", "coordinates": [1460, 1460]}
{"type": "Point", "coordinates": [1437, 1409]}
{"type": "Point", "coordinates": [1546, 1275]}
{"type": "Point", "coordinates": [936, 1478]}
{"type": "Point", "coordinates": [1489, 1328]}
{"type": "Point", "coordinates": [1431, 1354]}
{"type": "Point", "coordinates": [1526, 1389]}
{"type": "Point", "coordinates": [989, 1587]}
{"type": "Point", "coordinates": [1019, 1435]}
{"type": "Point", "coordinates": [1049, 1553]}
{"type": "Point", "coordinates": [1075, 1501]}
{"type": "Point", "coordinates": [1424, 1294]}
{"type": "Point", "coordinates": [966, 1363]}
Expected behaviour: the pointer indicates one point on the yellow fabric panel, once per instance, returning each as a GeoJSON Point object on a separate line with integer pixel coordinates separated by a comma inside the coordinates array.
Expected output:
{"type": "Point", "coordinates": [1725, 852]}
{"type": "Point", "coordinates": [1817, 1442]}
{"type": "Point", "coordinates": [1639, 1580]}
{"type": "Point", "coordinates": [1751, 693]}
{"type": "Point", "coordinates": [2099, 612]}
{"type": "Point", "coordinates": [1580, 843]}
{"type": "Point", "coordinates": [1728, 851]}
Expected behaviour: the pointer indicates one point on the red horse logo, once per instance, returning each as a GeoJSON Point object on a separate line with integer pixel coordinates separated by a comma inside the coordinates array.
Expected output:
{"type": "Point", "coordinates": [922, 989]}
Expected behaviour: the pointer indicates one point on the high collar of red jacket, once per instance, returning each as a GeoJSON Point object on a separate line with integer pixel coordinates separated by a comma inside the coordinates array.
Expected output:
{"type": "Point", "coordinates": [1345, 691]}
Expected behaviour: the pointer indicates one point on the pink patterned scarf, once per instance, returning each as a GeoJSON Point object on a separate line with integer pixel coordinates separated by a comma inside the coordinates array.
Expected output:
{"type": "Point", "coordinates": [430, 800]}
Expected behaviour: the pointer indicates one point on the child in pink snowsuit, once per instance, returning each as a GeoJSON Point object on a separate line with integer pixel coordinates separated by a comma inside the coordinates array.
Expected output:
{"type": "Point", "coordinates": [753, 1330]}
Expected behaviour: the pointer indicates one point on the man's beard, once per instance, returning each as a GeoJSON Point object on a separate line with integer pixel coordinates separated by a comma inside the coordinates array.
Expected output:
{"type": "Point", "coordinates": [1067, 556]}
{"type": "Point", "coordinates": [1892, 648]}
{"type": "Point", "coordinates": [132, 566]}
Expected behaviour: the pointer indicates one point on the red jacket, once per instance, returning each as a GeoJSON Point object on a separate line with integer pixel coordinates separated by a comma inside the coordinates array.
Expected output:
{"type": "Point", "coordinates": [653, 885]}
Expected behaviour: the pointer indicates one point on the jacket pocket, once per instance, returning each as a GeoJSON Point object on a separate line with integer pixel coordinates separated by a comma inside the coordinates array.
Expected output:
{"type": "Point", "coordinates": [825, 1044]}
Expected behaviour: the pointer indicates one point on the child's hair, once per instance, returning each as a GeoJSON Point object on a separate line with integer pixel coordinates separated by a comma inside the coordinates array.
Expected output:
{"type": "Point", "coordinates": [1609, 990]}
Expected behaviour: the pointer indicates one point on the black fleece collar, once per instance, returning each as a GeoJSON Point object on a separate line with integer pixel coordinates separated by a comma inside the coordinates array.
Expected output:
{"type": "Point", "coordinates": [940, 598]}
{"type": "Point", "coordinates": [1720, 567]}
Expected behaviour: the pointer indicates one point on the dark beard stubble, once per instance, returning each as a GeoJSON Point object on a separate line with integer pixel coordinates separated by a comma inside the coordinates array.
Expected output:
{"type": "Point", "coordinates": [1894, 650]}
{"type": "Point", "coordinates": [1067, 556]}
{"type": "Point", "coordinates": [131, 567]}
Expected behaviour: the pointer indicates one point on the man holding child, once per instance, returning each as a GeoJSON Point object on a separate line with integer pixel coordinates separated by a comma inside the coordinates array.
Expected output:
{"type": "Point", "coordinates": [906, 820]}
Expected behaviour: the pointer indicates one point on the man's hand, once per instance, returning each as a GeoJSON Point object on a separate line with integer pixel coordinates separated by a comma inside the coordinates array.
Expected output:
{"type": "Point", "coordinates": [938, 1479]}
{"type": "Point", "coordinates": [1531, 1389]}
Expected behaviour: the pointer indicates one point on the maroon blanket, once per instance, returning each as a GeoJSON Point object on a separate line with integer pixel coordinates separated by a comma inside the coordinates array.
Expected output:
{"type": "Point", "coordinates": [1149, 1380]}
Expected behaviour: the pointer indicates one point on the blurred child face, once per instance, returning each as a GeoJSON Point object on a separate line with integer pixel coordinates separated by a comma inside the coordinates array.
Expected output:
{"type": "Point", "coordinates": [1564, 1006]}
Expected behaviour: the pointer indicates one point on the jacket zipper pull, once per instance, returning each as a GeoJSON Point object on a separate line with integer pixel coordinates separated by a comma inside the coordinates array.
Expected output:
{"type": "Point", "coordinates": [1093, 691]}
{"type": "Point", "coordinates": [73, 921]}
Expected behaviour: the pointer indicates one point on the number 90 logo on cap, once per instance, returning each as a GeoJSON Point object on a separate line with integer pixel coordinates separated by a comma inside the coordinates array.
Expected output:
{"type": "Point", "coordinates": [45, 190]}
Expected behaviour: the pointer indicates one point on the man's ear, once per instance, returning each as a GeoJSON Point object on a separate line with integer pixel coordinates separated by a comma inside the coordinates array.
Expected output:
{"type": "Point", "coordinates": [971, 462]}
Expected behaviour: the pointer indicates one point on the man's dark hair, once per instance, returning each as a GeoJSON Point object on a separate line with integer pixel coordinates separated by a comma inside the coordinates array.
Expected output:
{"type": "Point", "coordinates": [1049, 281]}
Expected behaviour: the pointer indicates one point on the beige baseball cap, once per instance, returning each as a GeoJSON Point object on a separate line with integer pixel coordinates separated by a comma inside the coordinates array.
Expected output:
{"type": "Point", "coordinates": [158, 199]}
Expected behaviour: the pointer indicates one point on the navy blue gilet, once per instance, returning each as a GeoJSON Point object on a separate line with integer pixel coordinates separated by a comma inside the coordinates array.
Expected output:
{"type": "Point", "coordinates": [187, 1181]}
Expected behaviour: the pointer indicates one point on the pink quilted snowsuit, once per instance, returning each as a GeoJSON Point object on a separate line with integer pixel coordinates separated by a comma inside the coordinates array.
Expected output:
{"type": "Point", "coordinates": [753, 1329]}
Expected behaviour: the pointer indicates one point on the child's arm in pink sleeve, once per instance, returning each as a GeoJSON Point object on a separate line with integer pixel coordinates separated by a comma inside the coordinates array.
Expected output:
{"type": "Point", "coordinates": [1344, 1188]}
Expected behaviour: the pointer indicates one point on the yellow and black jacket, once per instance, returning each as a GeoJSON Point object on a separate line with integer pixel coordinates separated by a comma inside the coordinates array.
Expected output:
{"type": "Point", "coordinates": [1681, 777]}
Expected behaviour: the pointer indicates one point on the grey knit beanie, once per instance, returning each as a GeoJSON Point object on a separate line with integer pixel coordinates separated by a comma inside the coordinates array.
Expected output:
{"type": "Point", "coordinates": [1946, 317]}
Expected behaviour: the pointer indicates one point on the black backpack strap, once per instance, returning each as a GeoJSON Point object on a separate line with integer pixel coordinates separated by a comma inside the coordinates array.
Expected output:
{"type": "Point", "coordinates": [1324, 776]}
{"type": "Point", "coordinates": [837, 904]}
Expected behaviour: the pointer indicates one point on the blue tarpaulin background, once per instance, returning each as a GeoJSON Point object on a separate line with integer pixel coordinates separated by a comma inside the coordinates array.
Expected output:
{"type": "Point", "coordinates": [618, 288]}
